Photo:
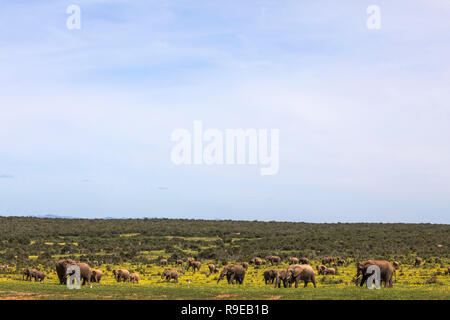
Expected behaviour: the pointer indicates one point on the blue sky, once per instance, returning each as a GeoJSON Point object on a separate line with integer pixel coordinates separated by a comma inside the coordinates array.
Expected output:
{"type": "Point", "coordinates": [87, 115]}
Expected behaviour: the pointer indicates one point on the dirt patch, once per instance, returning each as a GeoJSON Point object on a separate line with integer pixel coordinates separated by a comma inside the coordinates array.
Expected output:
{"type": "Point", "coordinates": [223, 296]}
{"type": "Point", "coordinates": [14, 295]}
{"type": "Point", "coordinates": [274, 298]}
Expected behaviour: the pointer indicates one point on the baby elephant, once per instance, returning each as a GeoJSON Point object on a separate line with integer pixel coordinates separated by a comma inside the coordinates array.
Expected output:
{"type": "Point", "coordinates": [170, 274]}
{"type": "Point", "coordinates": [39, 275]}
{"type": "Point", "coordinates": [329, 271]}
{"type": "Point", "coordinates": [96, 275]}
{"type": "Point", "coordinates": [134, 277]}
{"type": "Point", "coordinates": [269, 276]}
{"type": "Point", "coordinates": [29, 274]}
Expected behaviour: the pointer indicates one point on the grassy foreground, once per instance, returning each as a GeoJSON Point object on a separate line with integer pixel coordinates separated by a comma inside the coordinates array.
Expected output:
{"type": "Point", "coordinates": [49, 291]}
{"type": "Point", "coordinates": [428, 282]}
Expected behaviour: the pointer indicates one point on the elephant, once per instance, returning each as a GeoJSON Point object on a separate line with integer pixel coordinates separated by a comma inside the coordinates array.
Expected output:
{"type": "Point", "coordinates": [273, 260]}
{"type": "Point", "coordinates": [418, 261]}
{"type": "Point", "coordinates": [39, 275]}
{"type": "Point", "coordinates": [28, 274]}
{"type": "Point", "coordinates": [293, 260]}
{"type": "Point", "coordinates": [163, 262]}
{"type": "Point", "coordinates": [180, 262]}
{"type": "Point", "coordinates": [233, 272]}
{"type": "Point", "coordinates": [328, 271]}
{"type": "Point", "coordinates": [85, 273]}
{"type": "Point", "coordinates": [61, 268]}
{"type": "Point", "coordinates": [269, 276]}
{"type": "Point", "coordinates": [194, 264]}
{"type": "Point", "coordinates": [303, 260]}
{"type": "Point", "coordinates": [122, 274]}
{"type": "Point", "coordinates": [245, 265]}
{"type": "Point", "coordinates": [211, 268]}
{"type": "Point", "coordinates": [386, 268]}
{"type": "Point", "coordinates": [321, 269]}
{"type": "Point", "coordinates": [256, 261]}
{"type": "Point", "coordinates": [169, 275]}
{"type": "Point", "coordinates": [181, 271]}
{"type": "Point", "coordinates": [396, 264]}
{"type": "Point", "coordinates": [134, 277]}
{"type": "Point", "coordinates": [96, 275]}
{"type": "Point", "coordinates": [340, 261]}
{"type": "Point", "coordinates": [301, 272]}
{"type": "Point", "coordinates": [281, 275]}
{"type": "Point", "coordinates": [189, 262]}
{"type": "Point", "coordinates": [327, 260]}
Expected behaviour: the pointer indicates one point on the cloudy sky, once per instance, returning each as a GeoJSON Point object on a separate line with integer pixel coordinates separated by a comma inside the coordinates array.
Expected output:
{"type": "Point", "coordinates": [86, 116]}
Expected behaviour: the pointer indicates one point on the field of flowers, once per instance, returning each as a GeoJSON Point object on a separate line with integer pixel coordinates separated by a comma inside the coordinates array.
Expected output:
{"type": "Point", "coordinates": [428, 281]}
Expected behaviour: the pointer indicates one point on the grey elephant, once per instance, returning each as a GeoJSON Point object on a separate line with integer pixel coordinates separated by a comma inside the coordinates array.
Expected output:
{"type": "Point", "coordinates": [321, 269]}
{"type": "Point", "coordinates": [293, 260]}
{"type": "Point", "coordinates": [269, 276]}
{"type": "Point", "coordinates": [196, 265]}
{"type": "Point", "coordinates": [256, 261]}
{"type": "Point", "coordinates": [301, 272]}
{"type": "Point", "coordinates": [96, 275]}
{"type": "Point", "coordinates": [233, 272]}
{"type": "Point", "coordinates": [340, 261]}
{"type": "Point", "coordinates": [387, 271]}
{"type": "Point", "coordinates": [61, 268]}
{"type": "Point", "coordinates": [418, 261]}
{"type": "Point", "coordinates": [281, 276]}
{"type": "Point", "coordinates": [328, 271]}
{"type": "Point", "coordinates": [134, 277]}
{"type": "Point", "coordinates": [189, 262]}
{"type": "Point", "coordinates": [211, 268]}
{"type": "Point", "coordinates": [180, 262]}
{"type": "Point", "coordinates": [85, 273]}
{"type": "Point", "coordinates": [39, 276]}
{"type": "Point", "coordinates": [303, 260]}
{"type": "Point", "coordinates": [29, 274]}
{"type": "Point", "coordinates": [327, 260]}
{"type": "Point", "coordinates": [169, 275]}
{"type": "Point", "coordinates": [274, 260]}
{"type": "Point", "coordinates": [122, 274]}
{"type": "Point", "coordinates": [163, 262]}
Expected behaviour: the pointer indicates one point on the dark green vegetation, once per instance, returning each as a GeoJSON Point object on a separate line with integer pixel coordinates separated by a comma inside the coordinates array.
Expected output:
{"type": "Point", "coordinates": [147, 240]}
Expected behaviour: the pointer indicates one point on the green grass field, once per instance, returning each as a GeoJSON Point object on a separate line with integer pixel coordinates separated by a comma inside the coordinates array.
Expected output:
{"type": "Point", "coordinates": [20, 290]}
{"type": "Point", "coordinates": [425, 283]}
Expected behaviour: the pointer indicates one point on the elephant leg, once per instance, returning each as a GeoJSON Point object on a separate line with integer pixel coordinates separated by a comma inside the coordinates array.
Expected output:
{"type": "Point", "coordinates": [364, 278]}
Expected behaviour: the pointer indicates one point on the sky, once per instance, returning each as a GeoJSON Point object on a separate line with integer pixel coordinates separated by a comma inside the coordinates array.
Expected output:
{"type": "Point", "coordinates": [86, 115]}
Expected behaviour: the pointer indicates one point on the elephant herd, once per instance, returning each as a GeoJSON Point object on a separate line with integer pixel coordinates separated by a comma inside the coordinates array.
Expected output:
{"type": "Point", "coordinates": [298, 270]}
{"type": "Point", "coordinates": [126, 276]}
{"type": "Point", "coordinates": [31, 273]}
{"type": "Point", "coordinates": [293, 274]}
{"type": "Point", "coordinates": [89, 275]}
